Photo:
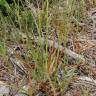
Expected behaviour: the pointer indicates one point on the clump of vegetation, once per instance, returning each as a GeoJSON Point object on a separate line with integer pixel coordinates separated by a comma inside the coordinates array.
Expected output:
{"type": "Point", "coordinates": [35, 33]}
